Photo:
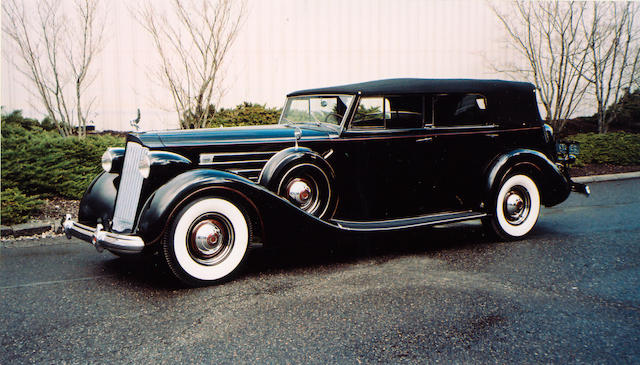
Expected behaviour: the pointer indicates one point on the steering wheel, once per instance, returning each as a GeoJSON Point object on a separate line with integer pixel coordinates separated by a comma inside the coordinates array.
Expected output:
{"type": "Point", "coordinates": [338, 117]}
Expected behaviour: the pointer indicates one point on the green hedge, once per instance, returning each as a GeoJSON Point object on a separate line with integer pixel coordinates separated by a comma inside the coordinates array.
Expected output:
{"type": "Point", "coordinates": [243, 114]}
{"type": "Point", "coordinates": [43, 163]}
{"type": "Point", "coordinates": [17, 207]}
{"type": "Point", "coordinates": [618, 148]}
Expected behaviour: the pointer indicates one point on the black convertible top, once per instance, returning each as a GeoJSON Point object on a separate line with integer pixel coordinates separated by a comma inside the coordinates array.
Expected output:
{"type": "Point", "coordinates": [511, 102]}
{"type": "Point", "coordinates": [414, 86]}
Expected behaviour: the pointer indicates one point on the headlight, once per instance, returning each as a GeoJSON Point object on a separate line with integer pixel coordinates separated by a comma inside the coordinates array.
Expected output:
{"type": "Point", "coordinates": [112, 159]}
{"type": "Point", "coordinates": [145, 165]}
{"type": "Point", "coordinates": [107, 161]}
{"type": "Point", "coordinates": [548, 132]}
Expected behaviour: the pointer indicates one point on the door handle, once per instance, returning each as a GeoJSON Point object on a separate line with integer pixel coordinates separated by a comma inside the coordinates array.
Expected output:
{"type": "Point", "coordinates": [492, 135]}
{"type": "Point", "coordinates": [426, 139]}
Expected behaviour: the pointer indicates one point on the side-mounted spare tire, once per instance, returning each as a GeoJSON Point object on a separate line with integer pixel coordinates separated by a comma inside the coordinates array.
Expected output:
{"type": "Point", "coordinates": [304, 178]}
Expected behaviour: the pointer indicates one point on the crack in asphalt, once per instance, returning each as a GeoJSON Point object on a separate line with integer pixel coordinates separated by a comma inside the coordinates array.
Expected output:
{"type": "Point", "coordinates": [54, 282]}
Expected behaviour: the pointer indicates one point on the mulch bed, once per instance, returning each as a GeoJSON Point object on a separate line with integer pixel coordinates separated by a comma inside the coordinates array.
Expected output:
{"type": "Point", "coordinates": [54, 209]}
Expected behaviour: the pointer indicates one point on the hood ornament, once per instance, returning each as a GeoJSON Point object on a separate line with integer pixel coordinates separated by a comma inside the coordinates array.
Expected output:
{"type": "Point", "coordinates": [297, 133]}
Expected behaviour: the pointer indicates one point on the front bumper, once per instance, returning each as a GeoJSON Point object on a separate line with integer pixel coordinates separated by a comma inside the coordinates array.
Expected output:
{"type": "Point", "coordinates": [102, 239]}
{"type": "Point", "coordinates": [580, 188]}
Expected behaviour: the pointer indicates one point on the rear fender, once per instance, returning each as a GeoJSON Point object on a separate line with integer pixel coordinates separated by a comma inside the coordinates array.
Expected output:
{"type": "Point", "coordinates": [554, 186]}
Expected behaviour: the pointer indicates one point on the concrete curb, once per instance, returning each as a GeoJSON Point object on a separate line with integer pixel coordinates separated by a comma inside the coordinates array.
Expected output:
{"type": "Point", "coordinates": [30, 229]}
{"type": "Point", "coordinates": [607, 177]}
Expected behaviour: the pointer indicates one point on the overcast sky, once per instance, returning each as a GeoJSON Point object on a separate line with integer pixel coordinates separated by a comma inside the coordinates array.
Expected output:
{"type": "Point", "coordinates": [286, 45]}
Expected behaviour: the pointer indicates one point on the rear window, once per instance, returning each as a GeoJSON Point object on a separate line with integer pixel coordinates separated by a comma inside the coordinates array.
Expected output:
{"type": "Point", "coordinates": [450, 110]}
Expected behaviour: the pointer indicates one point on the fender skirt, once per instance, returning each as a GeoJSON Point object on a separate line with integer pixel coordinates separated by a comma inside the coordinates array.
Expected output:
{"type": "Point", "coordinates": [554, 186]}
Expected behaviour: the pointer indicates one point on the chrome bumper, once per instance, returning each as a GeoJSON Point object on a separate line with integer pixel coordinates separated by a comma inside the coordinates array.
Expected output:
{"type": "Point", "coordinates": [580, 188]}
{"type": "Point", "coordinates": [102, 239]}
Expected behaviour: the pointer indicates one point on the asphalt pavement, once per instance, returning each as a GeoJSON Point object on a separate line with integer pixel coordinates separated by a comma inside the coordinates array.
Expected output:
{"type": "Point", "coordinates": [569, 293]}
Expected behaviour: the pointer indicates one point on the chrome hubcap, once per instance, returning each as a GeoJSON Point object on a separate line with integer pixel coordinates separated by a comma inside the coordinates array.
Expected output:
{"type": "Point", "coordinates": [210, 240]}
{"type": "Point", "coordinates": [301, 193]}
{"type": "Point", "coordinates": [516, 206]}
{"type": "Point", "coordinates": [207, 237]}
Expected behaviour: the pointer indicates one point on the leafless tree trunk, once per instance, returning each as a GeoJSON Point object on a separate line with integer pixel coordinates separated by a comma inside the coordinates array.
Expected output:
{"type": "Point", "coordinates": [613, 52]}
{"type": "Point", "coordinates": [192, 44]}
{"type": "Point", "coordinates": [56, 52]}
{"type": "Point", "coordinates": [548, 34]}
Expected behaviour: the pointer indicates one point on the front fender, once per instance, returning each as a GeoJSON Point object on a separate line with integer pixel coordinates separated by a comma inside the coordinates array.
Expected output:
{"type": "Point", "coordinates": [554, 186]}
{"type": "Point", "coordinates": [278, 219]}
{"type": "Point", "coordinates": [161, 204]}
{"type": "Point", "coordinates": [99, 200]}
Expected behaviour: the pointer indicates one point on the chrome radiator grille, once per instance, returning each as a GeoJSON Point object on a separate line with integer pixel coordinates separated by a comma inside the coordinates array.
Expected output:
{"type": "Point", "coordinates": [245, 164]}
{"type": "Point", "coordinates": [129, 189]}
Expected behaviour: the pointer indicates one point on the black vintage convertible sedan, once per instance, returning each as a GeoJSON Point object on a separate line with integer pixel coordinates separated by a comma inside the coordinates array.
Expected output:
{"type": "Point", "coordinates": [380, 155]}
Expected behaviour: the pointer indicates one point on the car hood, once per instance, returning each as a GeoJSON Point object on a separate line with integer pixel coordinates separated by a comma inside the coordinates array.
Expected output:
{"type": "Point", "coordinates": [230, 135]}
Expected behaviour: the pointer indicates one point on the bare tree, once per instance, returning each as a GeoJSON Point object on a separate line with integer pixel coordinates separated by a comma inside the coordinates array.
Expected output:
{"type": "Point", "coordinates": [56, 52]}
{"type": "Point", "coordinates": [613, 53]}
{"type": "Point", "coordinates": [549, 35]}
{"type": "Point", "coordinates": [192, 44]}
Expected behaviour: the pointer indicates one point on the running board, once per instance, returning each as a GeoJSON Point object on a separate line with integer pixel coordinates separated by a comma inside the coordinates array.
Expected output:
{"type": "Point", "coordinates": [425, 220]}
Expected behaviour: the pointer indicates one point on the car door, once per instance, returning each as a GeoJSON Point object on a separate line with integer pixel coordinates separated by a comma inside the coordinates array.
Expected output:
{"type": "Point", "coordinates": [387, 160]}
{"type": "Point", "coordinates": [468, 140]}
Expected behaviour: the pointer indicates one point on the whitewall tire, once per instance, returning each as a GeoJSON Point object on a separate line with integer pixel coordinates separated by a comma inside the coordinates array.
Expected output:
{"type": "Point", "coordinates": [516, 207]}
{"type": "Point", "coordinates": [207, 241]}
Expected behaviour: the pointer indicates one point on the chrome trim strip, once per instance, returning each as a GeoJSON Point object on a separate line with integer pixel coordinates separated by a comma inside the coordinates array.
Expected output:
{"type": "Point", "coordinates": [102, 239]}
{"type": "Point", "coordinates": [402, 219]}
{"type": "Point", "coordinates": [234, 162]}
{"type": "Point", "coordinates": [243, 153]}
{"type": "Point", "coordinates": [344, 224]}
{"type": "Point", "coordinates": [129, 189]}
{"type": "Point", "coordinates": [236, 171]}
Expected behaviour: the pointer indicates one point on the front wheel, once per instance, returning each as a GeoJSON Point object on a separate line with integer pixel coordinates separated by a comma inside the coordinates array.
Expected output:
{"type": "Point", "coordinates": [515, 208]}
{"type": "Point", "coordinates": [207, 241]}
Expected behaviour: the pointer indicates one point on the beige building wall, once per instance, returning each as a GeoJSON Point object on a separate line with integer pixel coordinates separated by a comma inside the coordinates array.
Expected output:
{"type": "Point", "coordinates": [287, 45]}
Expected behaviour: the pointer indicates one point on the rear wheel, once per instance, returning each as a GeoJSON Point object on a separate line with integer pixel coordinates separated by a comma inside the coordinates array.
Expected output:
{"type": "Point", "coordinates": [515, 208]}
{"type": "Point", "coordinates": [207, 241]}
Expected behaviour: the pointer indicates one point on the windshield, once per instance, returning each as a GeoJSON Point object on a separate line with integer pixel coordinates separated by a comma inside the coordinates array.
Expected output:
{"type": "Point", "coordinates": [316, 109]}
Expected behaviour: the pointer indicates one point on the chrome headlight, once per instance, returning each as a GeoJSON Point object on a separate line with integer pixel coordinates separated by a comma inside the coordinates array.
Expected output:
{"type": "Point", "coordinates": [162, 162]}
{"type": "Point", "coordinates": [548, 132]}
{"type": "Point", "coordinates": [144, 166]}
{"type": "Point", "coordinates": [111, 157]}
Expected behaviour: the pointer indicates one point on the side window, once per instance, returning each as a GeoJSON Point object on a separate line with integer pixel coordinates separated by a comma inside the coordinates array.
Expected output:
{"type": "Point", "coordinates": [459, 110]}
{"type": "Point", "coordinates": [390, 112]}
{"type": "Point", "coordinates": [370, 113]}
{"type": "Point", "coordinates": [405, 112]}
